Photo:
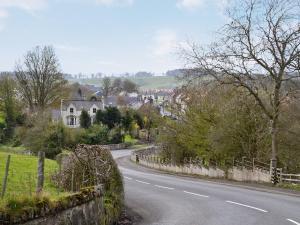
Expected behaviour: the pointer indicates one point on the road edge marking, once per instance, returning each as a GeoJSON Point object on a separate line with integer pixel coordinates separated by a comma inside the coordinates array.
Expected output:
{"type": "Point", "coordinates": [142, 182]}
{"type": "Point", "coordinates": [293, 221]}
{"type": "Point", "coordinates": [191, 193]}
{"type": "Point", "coordinates": [128, 178]}
{"type": "Point", "coordinates": [164, 187]}
{"type": "Point", "coordinates": [247, 206]}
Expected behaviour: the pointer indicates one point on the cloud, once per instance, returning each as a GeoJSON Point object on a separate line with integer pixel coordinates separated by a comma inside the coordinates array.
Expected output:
{"type": "Point", "coordinates": [106, 63]}
{"type": "Point", "coordinates": [190, 4]}
{"type": "Point", "coordinates": [165, 42]}
{"type": "Point", "coordinates": [195, 4]}
{"type": "Point", "coordinates": [115, 2]}
{"type": "Point", "coordinates": [27, 5]}
{"type": "Point", "coordinates": [69, 48]}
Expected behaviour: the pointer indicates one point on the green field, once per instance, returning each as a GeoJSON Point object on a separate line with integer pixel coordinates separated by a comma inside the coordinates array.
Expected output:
{"type": "Point", "coordinates": [22, 177]}
{"type": "Point", "coordinates": [11, 149]}
{"type": "Point", "coordinates": [154, 82]}
{"type": "Point", "coordinates": [2, 118]}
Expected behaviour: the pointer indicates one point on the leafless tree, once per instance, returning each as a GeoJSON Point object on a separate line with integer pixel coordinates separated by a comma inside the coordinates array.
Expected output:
{"type": "Point", "coordinates": [106, 86]}
{"type": "Point", "coordinates": [258, 50]}
{"type": "Point", "coordinates": [39, 78]}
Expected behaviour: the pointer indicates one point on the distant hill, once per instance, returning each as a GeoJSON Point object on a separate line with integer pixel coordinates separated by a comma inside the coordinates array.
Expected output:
{"type": "Point", "coordinates": [144, 82]}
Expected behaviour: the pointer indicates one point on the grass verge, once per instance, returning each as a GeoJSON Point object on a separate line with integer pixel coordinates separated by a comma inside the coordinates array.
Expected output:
{"type": "Point", "coordinates": [22, 177]}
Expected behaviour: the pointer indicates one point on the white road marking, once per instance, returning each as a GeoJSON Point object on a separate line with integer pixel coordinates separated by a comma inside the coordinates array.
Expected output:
{"type": "Point", "coordinates": [164, 187]}
{"type": "Point", "coordinates": [191, 193]}
{"type": "Point", "coordinates": [293, 221]}
{"type": "Point", "coordinates": [248, 206]}
{"type": "Point", "coordinates": [128, 178]}
{"type": "Point", "coordinates": [143, 182]}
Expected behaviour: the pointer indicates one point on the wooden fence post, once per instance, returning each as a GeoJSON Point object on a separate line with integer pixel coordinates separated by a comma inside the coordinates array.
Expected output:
{"type": "Point", "coordinates": [40, 175]}
{"type": "Point", "coordinates": [243, 161]}
{"type": "Point", "coordinates": [4, 182]}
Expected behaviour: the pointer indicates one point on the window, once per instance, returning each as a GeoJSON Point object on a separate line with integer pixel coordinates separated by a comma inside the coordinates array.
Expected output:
{"type": "Point", "coordinates": [71, 110]}
{"type": "Point", "coordinates": [94, 110]}
{"type": "Point", "coordinates": [71, 121]}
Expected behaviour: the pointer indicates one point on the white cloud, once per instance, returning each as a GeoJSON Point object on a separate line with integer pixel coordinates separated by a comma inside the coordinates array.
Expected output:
{"type": "Point", "coordinates": [115, 2]}
{"type": "Point", "coordinates": [69, 48]}
{"type": "Point", "coordinates": [3, 13]}
{"type": "Point", "coordinates": [27, 5]}
{"type": "Point", "coordinates": [190, 4]}
{"type": "Point", "coordinates": [165, 42]}
{"type": "Point", "coordinates": [195, 4]}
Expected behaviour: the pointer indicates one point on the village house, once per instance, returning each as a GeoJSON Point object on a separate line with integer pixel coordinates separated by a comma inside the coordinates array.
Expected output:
{"type": "Point", "coordinates": [71, 110]}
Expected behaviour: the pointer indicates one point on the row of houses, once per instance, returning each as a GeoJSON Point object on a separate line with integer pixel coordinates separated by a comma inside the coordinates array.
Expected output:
{"type": "Point", "coordinates": [71, 109]}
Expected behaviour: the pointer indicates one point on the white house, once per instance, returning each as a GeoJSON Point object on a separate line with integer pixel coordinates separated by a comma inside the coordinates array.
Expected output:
{"type": "Point", "coordinates": [71, 110]}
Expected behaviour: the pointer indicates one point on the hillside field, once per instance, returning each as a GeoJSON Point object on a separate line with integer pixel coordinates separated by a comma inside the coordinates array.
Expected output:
{"type": "Point", "coordinates": [154, 82]}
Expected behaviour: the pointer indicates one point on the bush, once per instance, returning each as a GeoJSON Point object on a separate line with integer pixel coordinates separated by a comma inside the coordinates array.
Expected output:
{"type": "Point", "coordinates": [45, 136]}
{"type": "Point", "coordinates": [73, 137]}
{"type": "Point", "coordinates": [96, 134]}
{"type": "Point", "coordinates": [85, 119]}
{"type": "Point", "coordinates": [115, 136]}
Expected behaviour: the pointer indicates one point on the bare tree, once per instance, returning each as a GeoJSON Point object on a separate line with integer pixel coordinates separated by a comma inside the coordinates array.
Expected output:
{"type": "Point", "coordinates": [258, 50]}
{"type": "Point", "coordinates": [106, 86]}
{"type": "Point", "coordinates": [39, 78]}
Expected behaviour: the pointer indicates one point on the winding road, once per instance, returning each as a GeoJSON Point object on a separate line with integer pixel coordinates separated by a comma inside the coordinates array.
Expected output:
{"type": "Point", "coordinates": [162, 199]}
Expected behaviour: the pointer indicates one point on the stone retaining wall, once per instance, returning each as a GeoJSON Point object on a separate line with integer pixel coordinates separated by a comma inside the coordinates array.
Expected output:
{"type": "Point", "coordinates": [82, 208]}
{"type": "Point", "coordinates": [89, 213]}
{"type": "Point", "coordinates": [234, 173]}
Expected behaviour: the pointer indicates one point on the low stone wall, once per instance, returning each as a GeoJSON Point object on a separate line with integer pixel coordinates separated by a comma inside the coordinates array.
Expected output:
{"type": "Point", "coordinates": [116, 146]}
{"type": "Point", "coordinates": [185, 169]}
{"type": "Point", "coordinates": [90, 213]}
{"type": "Point", "coordinates": [146, 158]}
{"type": "Point", "coordinates": [255, 175]}
{"type": "Point", "coordinates": [83, 208]}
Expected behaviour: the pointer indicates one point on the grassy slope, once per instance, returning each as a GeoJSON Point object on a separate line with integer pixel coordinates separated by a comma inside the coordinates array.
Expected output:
{"type": "Point", "coordinates": [11, 149]}
{"type": "Point", "coordinates": [129, 139]}
{"type": "Point", "coordinates": [2, 118]}
{"type": "Point", "coordinates": [22, 175]}
{"type": "Point", "coordinates": [143, 82]}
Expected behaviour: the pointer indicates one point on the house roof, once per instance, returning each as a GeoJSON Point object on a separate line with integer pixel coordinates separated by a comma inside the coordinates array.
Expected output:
{"type": "Point", "coordinates": [81, 104]}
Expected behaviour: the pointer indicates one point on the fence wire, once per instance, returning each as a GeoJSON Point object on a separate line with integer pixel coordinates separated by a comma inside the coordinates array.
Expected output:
{"type": "Point", "coordinates": [22, 176]}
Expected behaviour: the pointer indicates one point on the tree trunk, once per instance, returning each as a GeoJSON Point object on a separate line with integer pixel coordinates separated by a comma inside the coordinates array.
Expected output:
{"type": "Point", "coordinates": [274, 136]}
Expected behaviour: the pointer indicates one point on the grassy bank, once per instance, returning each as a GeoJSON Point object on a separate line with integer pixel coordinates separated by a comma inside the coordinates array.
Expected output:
{"type": "Point", "coordinates": [22, 176]}
{"type": "Point", "coordinates": [11, 149]}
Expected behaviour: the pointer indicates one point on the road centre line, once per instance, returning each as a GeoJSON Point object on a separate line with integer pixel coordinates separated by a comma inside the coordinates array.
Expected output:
{"type": "Point", "coordinates": [293, 221]}
{"type": "Point", "coordinates": [142, 182]}
{"type": "Point", "coordinates": [164, 187]}
{"type": "Point", "coordinates": [191, 193]}
{"type": "Point", "coordinates": [247, 206]}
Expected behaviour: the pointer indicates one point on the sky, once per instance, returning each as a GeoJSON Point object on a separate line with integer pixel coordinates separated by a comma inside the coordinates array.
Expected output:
{"type": "Point", "coordinates": [109, 36]}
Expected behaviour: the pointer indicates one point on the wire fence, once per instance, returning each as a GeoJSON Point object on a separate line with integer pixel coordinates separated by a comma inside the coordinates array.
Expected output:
{"type": "Point", "coordinates": [19, 176]}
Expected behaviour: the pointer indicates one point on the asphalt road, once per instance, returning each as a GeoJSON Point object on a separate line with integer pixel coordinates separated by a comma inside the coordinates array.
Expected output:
{"type": "Point", "coordinates": [161, 199]}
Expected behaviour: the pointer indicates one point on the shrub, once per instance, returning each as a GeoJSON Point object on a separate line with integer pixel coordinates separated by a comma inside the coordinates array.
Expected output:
{"type": "Point", "coordinates": [115, 136]}
{"type": "Point", "coordinates": [85, 119]}
{"type": "Point", "coordinates": [96, 134]}
{"type": "Point", "coordinates": [45, 136]}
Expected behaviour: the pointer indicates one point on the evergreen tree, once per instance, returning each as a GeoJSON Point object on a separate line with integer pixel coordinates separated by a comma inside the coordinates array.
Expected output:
{"type": "Point", "coordinates": [85, 119]}
{"type": "Point", "coordinates": [126, 121]}
{"type": "Point", "coordinates": [112, 117]}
